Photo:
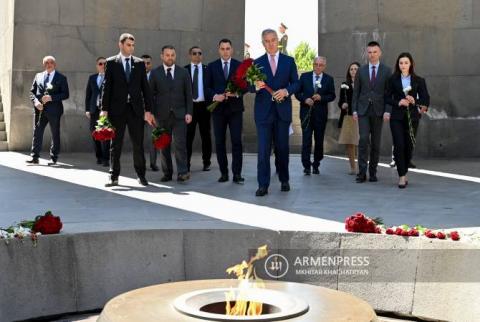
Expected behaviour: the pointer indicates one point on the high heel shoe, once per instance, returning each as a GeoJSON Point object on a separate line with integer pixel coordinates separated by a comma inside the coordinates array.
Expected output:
{"type": "Point", "coordinates": [402, 186]}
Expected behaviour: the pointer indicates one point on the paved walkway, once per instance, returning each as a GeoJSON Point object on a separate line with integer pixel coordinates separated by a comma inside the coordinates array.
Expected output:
{"type": "Point", "coordinates": [441, 194]}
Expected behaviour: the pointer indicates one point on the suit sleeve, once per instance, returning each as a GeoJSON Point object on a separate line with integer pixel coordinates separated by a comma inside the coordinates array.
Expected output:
{"type": "Point", "coordinates": [33, 92]}
{"type": "Point", "coordinates": [390, 98]}
{"type": "Point", "coordinates": [146, 91]}
{"type": "Point", "coordinates": [330, 96]}
{"type": "Point", "coordinates": [341, 99]}
{"type": "Point", "coordinates": [107, 86]}
{"type": "Point", "coordinates": [388, 105]}
{"type": "Point", "coordinates": [294, 84]}
{"type": "Point", "coordinates": [299, 94]}
{"type": "Point", "coordinates": [424, 96]}
{"type": "Point", "coordinates": [88, 96]}
{"type": "Point", "coordinates": [356, 92]}
{"type": "Point", "coordinates": [63, 93]}
{"type": "Point", "coordinates": [188, 93]}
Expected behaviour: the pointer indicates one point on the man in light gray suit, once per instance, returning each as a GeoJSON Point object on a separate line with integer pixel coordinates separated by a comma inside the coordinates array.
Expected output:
{"type": "Point", "coordinates": [172, 93]}
{"type": "Point", "coordinates": [369, 109]}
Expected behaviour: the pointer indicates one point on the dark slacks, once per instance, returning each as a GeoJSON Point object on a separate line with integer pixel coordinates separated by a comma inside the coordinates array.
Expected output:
{"type": "Point", "coordinates": [234, 121]}
{"type": "Point", "coordinates": [370, 128]}
{"type": "Point", "coordinates": [278, 130]}
{"type": "Point", "coordinates": [402, 145]}
{"type": "Point", "coordinates": [151, 149]}
{"type": "Point", "coordinates": [135, 124]}
{"type": "Point", "coordinates": [315, 128]}
{"type": "Point", "coordinates": [38, 130]}
{"type": "Point", "coordinates": [178, 129]}
{"type": "Point", "coordinates": [201, 117]}
{"type": "Point", "coordinates": [102, 148]}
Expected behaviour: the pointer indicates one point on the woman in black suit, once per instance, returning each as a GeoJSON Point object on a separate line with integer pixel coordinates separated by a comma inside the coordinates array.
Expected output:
{"type": "Point", "coordinates": [349, 128]}
{"type": "Point", "coordinates": [408, 95]}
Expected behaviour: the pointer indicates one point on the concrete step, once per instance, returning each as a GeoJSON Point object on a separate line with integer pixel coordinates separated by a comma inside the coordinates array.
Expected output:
{"type": "Point", "coordinates": [1, 107]}
{"type": "Point", "coordinates": [1, 117]}
{"type": "Point", "coordinates": [2, 126]}
{"type": "Point", "coordinates": [3, 136]}
{"type": "Point", "coordinates": [3, 146]}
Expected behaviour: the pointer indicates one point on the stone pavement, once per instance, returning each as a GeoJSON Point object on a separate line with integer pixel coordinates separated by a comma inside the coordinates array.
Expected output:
{"type": "Point", "coordinates": [441, 194]}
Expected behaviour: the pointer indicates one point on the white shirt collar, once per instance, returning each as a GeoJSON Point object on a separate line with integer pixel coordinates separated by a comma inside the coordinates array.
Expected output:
{"type": "Point", "coordinates": [225, 61]}
{"type": "Point", "coordinates": [124, 57]}
{"type": "Point", "coordinates": [376, 65]}
{"type": "Point", "coordinates": [52, 74]}
{"type": "Point", "coordinates": [193, 65]}
{"type": "Point", "coordinates": [165, 67]}
{"type": "Point", "coordinates": [320, 76]}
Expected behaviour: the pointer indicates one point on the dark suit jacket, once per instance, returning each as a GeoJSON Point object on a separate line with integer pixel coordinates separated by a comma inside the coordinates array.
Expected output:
{"type": "Point", "coordinates": [345, 96]}
{"type": "Point", "coordinates": [175, 95]}
{"type": "Point", "coordinates": [116, 88]}
{"type": "Point", "coordinates": [395, 94]}
{"type": "Point", "coordinates": [306, 90]}
{"type": "Point", "coordinates": [216, 84]}
{"type": "Point", "coordinates": [59, 92]}
{"type": "Point", "coordinates": [363, 93]}
{"type": "Point", "coordinates": [204, 78]}
{"type": "Point", "coordinates": [286, 77]}
{"type": "Point", "coordinates": [92, 94]}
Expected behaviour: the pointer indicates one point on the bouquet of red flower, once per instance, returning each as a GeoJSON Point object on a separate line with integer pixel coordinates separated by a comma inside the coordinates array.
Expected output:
{"type": "Point", "coordinates": [104, 130]}
{"type": "Point", "coordinates": [46, 224]}
{"type": "Point", "coordinates": [253, 73]}
{"type": "Point", "coordinates": [359, 223]}
{"type": "Point", "coordinates": [161, 138]}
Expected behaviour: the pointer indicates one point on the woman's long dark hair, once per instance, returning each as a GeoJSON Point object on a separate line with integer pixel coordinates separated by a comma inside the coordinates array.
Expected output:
{"type": "Point", "coordinates": [349, 77]}
{"type": "Point", "coordinates": [411, 70]}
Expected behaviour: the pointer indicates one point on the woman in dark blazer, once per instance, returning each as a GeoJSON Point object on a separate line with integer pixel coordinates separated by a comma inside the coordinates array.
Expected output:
{"type": "Point", "coordinates": [349, 128]}
{"type": "Point", "coordinates": [408, 95]}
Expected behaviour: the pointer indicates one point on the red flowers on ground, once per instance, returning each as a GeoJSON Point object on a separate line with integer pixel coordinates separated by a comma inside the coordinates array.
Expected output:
{"type": "Point", "coordinates": [161, 138]}
{"type": "Point", "coordinates": [104, 130]}
{"type": "Point", "coordinates": [454, 235]}
{"type": "Point", "coordinates": [47, 224]}
{"type": "Point", "coordinates": [359, 223]}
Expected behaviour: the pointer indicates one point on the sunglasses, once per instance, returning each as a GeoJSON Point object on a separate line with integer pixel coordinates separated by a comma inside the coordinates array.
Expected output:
{"type": "Point", "coordinates": [196, 53]}
{"type": "Point", "coordinates": [100, 64]}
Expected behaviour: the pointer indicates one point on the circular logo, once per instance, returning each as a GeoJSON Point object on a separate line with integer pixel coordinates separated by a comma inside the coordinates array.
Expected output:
{"type": "Point", "coordinates": [276, 266]}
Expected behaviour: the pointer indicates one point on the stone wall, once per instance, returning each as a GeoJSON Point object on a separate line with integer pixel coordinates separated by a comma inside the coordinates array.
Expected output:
{"type": "Point", "coordinates": [6, 39]}
{"type": "Point", "coordinates": [77, 31]}
{"type": "Point", "coordinates": [441, 35]}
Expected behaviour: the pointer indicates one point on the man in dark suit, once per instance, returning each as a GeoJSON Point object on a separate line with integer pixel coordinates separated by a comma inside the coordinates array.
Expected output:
{"type": "Point", "coordinates": [127, 100]}
{"type": "Point", "coordinates": [201, 116]}
{"type": "Point", "coordinates": [92, 110]}
{"type": "Point", "coordinates": [273, 117]}
{"type": "Point", "coordinates": [369, 108]}
{"type": "Point", "coordinates": [48, 90]}
{"type": "Point", "coordinates": [317, 89]}
{"type": "Point", "coordinates": [147, 59]}
{"type": "Point", "coordinates": [229, 113]}
{"type": "Point", "coordinates": [172, 91]}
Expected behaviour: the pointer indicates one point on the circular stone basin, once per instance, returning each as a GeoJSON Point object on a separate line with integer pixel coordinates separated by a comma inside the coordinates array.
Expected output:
{"type": "Point", "coordinates": [210, 304]}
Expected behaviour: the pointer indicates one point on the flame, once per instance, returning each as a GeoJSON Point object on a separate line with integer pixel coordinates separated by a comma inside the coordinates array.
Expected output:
{"type": "Point", "coordinates": [248, 278]}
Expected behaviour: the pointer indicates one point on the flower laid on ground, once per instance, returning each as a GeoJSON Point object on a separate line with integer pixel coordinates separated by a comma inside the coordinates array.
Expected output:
{"type": "Point", "coordinates": [161, 138]}
{"type": "Point", "coordinates": [42, 225]}
{"type": "Point", "coordinates": [47, 224]}
{"type": "Point", "coordinates": [104, 130]}
{"type": "Point", "coordinates": [359, 223]}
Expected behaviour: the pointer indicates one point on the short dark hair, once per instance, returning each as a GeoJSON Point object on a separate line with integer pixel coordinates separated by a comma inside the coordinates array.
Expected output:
{"type": "Point", "coordinates": [412, 64]}
{"type": "Point", "coordinates": [99, 58]}
{"type": "Point", "coordinates": [225, 40]}
{"type": "Point", "coordinates": [145, 56]}
{"type": "Point", "coordinates": [125, 36]}
{"type": "Point", "coordinates": [192, 48]}
{"type": "Point", "coordinates": [167, 47]}
{"type": "Point", "coordinates": [373, 44]}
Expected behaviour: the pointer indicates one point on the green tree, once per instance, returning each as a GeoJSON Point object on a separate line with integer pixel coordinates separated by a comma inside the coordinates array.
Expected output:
{"type": "Point", "coordinates": [304, 56]}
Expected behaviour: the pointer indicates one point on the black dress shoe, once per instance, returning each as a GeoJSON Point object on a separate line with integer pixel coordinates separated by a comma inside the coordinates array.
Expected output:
{"type": "Point", "coordinates": [373, 178]}
{"type": "Point", "coordinates": [411, 165]}
{"type": "Point", "coordinates": [316, 171]}
{"type": "Point", "coordinates": [261, 192]}
{"type": "Point", "coordinates": [361, 178]}
{"type": "Point", "coordinates": [32, 161]}
{"type": "Point", "coordinates": [141, 180]}
{"type": "Point", "coordinates": [111, 183]}
{"type": "Point", "coordinates": [223, 178]}
{"type": "Point", "coordinates": [306, 172]}
{"type": "Point", "coordinates": [52, 162]}
{"type": "Point", "coordinates": [154, 167]}
{"type": "Point", "coordinates": [183, 177]}
{"type": "Point", "coordinates": [206, 167]}
{"type": "Point", "coordinates": [166, 178]}
{"type": "Point", "coordinates": [238, 179]}
{"type": "Point", "coordinates": [285, 186]}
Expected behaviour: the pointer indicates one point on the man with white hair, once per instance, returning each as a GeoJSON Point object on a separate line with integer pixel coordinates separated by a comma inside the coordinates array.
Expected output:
{"type": "Point", "coordinates": [48, 90]}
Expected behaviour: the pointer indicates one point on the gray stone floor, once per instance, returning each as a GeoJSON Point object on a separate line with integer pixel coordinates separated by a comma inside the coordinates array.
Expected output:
{"type": "Point", "coordinates": [75, 191]}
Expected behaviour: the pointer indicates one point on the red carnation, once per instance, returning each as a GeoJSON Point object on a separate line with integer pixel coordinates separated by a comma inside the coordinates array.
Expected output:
{"type": "Point", "coordinates": [413, 232]}
{"type": "Point", "coordinates": [161, 138]}
{"type": "Point", "coordinates": [390, 231]}
{"type": "Point", "coordinates": [430, 234]}
{"type": "Point", "coordinates": [454, 235]}
{"type": "Point", "coordinates": [441, 235]}
{"type": "Point", "coordinates": [104, 130]}
{"type": "Point", "coordinates": [359, 223]}
{"type": "Point", "coordinates": [47, 224]}
{"type": "Point", "coordinates": [398, 231]}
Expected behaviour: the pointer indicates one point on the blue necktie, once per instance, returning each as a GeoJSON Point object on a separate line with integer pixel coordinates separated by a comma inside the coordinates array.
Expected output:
{"type": "Point", "coordinates": [127, 68]}
{"type": "Point", "coordinates": [225, 70]}
{"type": "Point", "coordinates": [100, 81]}
{"type": "Point", "coordinates": [45, 80]}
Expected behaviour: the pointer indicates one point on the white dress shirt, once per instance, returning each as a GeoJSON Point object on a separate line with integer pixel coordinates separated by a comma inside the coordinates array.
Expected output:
{"type": "Point", "coordinates": [165, 67]}
{"type": "Point", "coordinates": [228, 64]}
{"type": "Point", "coordinates": [124, 62]}
{"type": "Point", "coordinates": [41, 81]}
{"type": "Point", "coordinates": [314, 77]}
{"type": "Point", "coordinates": [201, 95]}
{"type": "Point", "coordinates": [370, 69]}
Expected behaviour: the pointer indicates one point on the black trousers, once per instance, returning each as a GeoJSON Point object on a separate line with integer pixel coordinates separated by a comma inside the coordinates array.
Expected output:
{"type": "Point", "coordinates": [102, 148]}
{"type": "Point", "coordinates": [39, 125]}
{"type": "Point", "coordinates": [370, 128]}
{"type": "Point", "coordinates": [135, 124]}
{"type": "Point", "coordinates": [402, 145]}
{"type": "Point", "coordinates": [315, 128]}
{"type": "Point", "coordinates": [201, 117]}
{"type": "Point", "coordinates": [234, 121]}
